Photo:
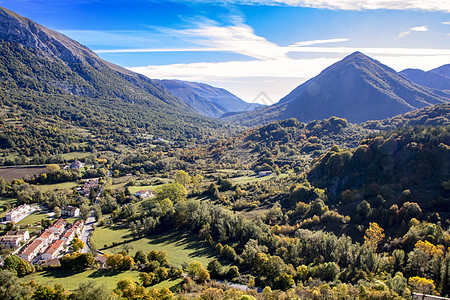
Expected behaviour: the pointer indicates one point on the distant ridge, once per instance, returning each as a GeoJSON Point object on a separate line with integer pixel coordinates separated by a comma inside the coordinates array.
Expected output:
{"type": "Point", "coordinates": [357, 88]}
{"type": "Point", "coordinates": [207, 100]}
{"type": "Point", "coordinates": [438, 78]}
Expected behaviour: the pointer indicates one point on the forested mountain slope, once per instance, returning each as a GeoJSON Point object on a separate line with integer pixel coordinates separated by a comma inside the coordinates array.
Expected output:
{"type": "Point", "coordinates": [47, 74]}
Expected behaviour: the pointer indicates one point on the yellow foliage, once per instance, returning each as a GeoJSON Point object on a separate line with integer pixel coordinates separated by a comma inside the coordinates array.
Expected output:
{"type": "Point", "coordinates": [429, 248]}
{"type": "Point", "coordinates": [422, 285]}
{"type": "Point", "coordinates": [374, 235]}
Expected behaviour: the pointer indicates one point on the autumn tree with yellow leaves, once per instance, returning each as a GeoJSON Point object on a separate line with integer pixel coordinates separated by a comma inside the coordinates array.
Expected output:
{"type": "Point", "coordinates": [373, 236]}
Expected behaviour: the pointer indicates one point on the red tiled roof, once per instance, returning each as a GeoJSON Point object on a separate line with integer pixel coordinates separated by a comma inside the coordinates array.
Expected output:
{"type": "Point", "coordinates": [32, 247]}
{"type": "Point", "coordinates": [54, 247]}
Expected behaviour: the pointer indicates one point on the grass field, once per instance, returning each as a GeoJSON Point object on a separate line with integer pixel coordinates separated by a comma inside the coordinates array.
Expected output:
{"type": "Point", "coordinates": [34, 218]}
{"type": "Point", "coordinates": [180, 246]}
{"type": "Point", "coordinates": [75, 155]}
{"type": "Point", "coordinates": [247, 179]}
{"type": "Point", "coordinates": [57, 186]}
{"type": "Point", "coordinates": [70, 280]}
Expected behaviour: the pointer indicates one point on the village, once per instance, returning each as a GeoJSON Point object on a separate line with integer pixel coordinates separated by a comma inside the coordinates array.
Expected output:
{"type": "Point", "coordinates": [48, 244]}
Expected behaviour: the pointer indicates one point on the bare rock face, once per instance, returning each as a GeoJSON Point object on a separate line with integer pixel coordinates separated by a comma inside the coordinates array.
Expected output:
{"type": "Point", "coordinates": [17, 29]}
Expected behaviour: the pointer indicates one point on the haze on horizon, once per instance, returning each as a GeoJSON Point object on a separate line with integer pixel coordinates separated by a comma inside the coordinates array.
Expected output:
{"type": "Point", "coordinates": [249, 46]}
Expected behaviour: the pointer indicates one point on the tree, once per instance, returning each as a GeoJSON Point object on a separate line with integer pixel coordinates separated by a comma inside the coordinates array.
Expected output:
{"type": "Point", "coordinates": [57, 212]}
{"type": "Point", "coordinates": [84, 211]}
{"type": "Point", "coordinates": [77, 244]}
{"type": "Point", "coordinates": [114, 261]}
{"type": "Point", "coordinates": [17, 265]}
{"type": "Point", "coordinates": [52, 168]}
{"type": "Point", "coordinates": [183, 178]}
{"type": "Point", "coordinates": [196, 180]}
{"type": "Point", "coordinates": [89, 290]}
{"type": "Point", "coordinates": [46, 292]}
{"type": "Point", "coordinates": [373, 236]}
{"type": "Point", "coordinates": [196, 271]}
{"type": "Point", "coordinates": [140, 257]}
{"type": "Point", "coordinates": [127, 263]}
{"type": "Point", "coordinates": [174, 191]}
{"type": "Point", "coordinates": [215, 268]}
{"type": "Point", "coordinates": [97, 211]}
{"type": "Point", "coordinates": [10, 287]}
{"type": "Point", "coordinates": [422, 285]}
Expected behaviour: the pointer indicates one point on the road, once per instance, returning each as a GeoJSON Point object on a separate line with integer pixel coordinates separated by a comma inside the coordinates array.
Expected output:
{"type": "Point", "coordinates": [87, 231]}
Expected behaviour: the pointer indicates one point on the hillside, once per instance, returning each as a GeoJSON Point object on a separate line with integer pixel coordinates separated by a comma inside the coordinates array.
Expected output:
{"type": "Point", "coordinates": [48, 75]}
{"type": "Point", "coordinates": [432, 79]}
{"type": "Point", "coordinates": [357, 88]}
{"type": "Point", "coordinates": [436, 115]}
{"type": "Point", "coordinates": [205, 99]}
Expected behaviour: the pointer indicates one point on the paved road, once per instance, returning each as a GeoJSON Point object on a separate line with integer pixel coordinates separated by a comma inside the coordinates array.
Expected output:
{"type": "Point", "coordinates": [87, 231]}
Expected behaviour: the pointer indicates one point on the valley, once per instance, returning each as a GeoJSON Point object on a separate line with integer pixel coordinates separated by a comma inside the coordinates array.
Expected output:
{"type": "Point", "coordinates": [341, 190]}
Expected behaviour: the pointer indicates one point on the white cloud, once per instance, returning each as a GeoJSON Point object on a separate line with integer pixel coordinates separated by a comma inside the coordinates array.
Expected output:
{"type": "Point", "coordinates": [239, 38]}
{"type": "Point", "coordinates": [417, 29]}
{"type": "Point", "coordinates": [446, 23]}
{"type": "Point", "coordinates": [426, 5]}
{"type": "Point", "coordinates": [315, 42]}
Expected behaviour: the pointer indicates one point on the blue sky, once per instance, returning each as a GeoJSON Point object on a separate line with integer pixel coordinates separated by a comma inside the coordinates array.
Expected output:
{"type": "Point", "coordinates": [249, 46]}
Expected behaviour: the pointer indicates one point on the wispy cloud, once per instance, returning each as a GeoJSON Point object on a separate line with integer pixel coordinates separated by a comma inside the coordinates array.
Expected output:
{"type": "Point", "coordinates": [238, 38]}
{"type": "Point", "coordinates": [418, 29]}
{"type": "Point", "coordinates": [446, 23]}
{"type": "Point", "coordinates": [426, 5]}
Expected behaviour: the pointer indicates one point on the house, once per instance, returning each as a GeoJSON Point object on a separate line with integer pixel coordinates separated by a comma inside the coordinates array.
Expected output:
{"type": "Point", "coordinates": [78, 226]}
{"type": "Point", "coordinates": [51, 263]}
{"type": "Point", "coordinates": [31, 251]}
{"type": "Point", "coordinates": [76, 165]}
{"type": "Point", "coordinates": [144, 194]}
{"type": "Point", "coordinates": [53, 250]}
{"type": "Point", "coordinates": [100, 262]}
{"type": "Point", "coordinates": [12, 241]}
{"type": "Point", "coordinates": [23, 234]}
{"type": "Point", "coordinates": [264, 173]}
{"type": "Point", "coordinates": [47, 237]}
{"type": "Point", "coordinates": [69, 235]}
{"type": "Point", "coordinates": [16, 214]}
{"type": "Point", "coordinates": [58, 227]}
{"type": "Point", "coordinates": [70, 211]}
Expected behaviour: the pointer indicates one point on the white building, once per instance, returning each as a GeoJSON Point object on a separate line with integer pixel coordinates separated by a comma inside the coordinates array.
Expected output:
{"type": "Point", "coordinates": [55, 248]}
{"type": "Point", "coordinates": [47, 237]}
{"type": "Point", "coordinates": [58, 227]}
{"type": "Point", "coordinates": [31, 250]}
{"type": "Point", "coordinates": [70, 211]}
{"type": "Point", "coordinates": [144, 194]}
{"type": "Point", "coordinates": [17, 213]}
{"type": "Point", "coordinates": [12, 241]}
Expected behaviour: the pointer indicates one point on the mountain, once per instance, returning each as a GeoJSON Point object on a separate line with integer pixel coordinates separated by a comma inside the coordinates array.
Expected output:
{"type": "Point", "coordinates": [207, 100]}
{"type": "Point", "coordinates": [443, 70]}
{"type": "Point", "coordinates": [53, 75]}
{"type": "Point", "coordinates": [357, 88]}
{"type": "Point", "coordinates": [428, 79]}
{"type": "Point", "coordinates": [436, 79]}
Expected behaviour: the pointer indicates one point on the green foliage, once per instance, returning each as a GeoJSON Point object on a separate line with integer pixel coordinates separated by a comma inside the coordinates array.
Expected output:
{"type": "Point", "coordinates": [17, 265]}
{"type": "Point", "coordinates": [175, 192]}
{"type": "Point", "coordinates": [77, 261]}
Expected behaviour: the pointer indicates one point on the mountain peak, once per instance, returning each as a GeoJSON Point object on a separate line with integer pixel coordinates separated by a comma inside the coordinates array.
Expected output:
{"type": "Point", "coordinates": [18, 29]}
